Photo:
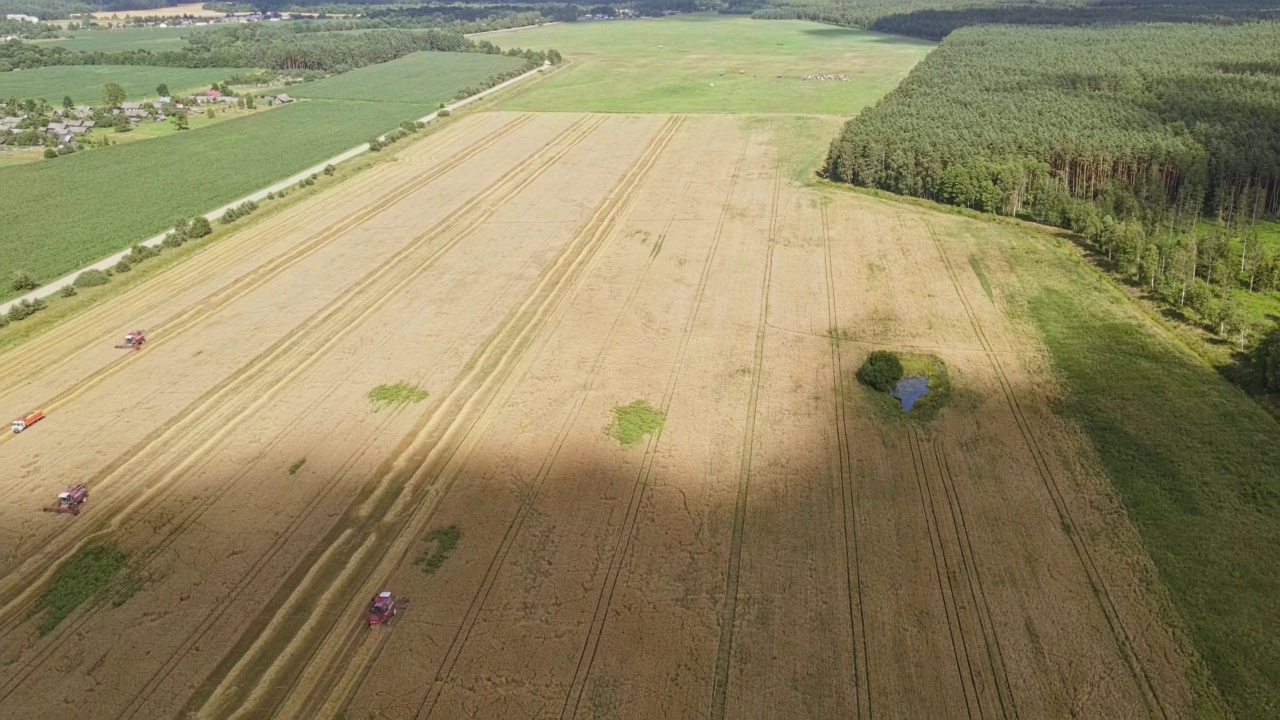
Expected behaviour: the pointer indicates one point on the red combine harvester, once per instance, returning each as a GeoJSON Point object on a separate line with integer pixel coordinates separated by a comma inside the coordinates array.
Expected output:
{"type": "Point", "coordinates": [382, 608]}
{"type": "Point", "coordinates": [27, 421]}
{"type": "Point", "coordinates": [133, 340]}
{"type": "Point", "coordinates": [70, 499]}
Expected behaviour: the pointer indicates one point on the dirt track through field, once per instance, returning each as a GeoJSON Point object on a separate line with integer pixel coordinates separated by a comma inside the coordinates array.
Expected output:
{"type": "Point", "coordinates": [783, 546]}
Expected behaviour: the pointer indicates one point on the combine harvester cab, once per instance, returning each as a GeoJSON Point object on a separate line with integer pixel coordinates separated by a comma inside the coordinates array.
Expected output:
{"type": "Point", "coordinates": [133, 340]}
{"type": "Point", "coordinates": [70, 499]}
{"type": "Point", "coordinates": [27, 421]}
{"type": "Point", "coordinates": [381, 609]}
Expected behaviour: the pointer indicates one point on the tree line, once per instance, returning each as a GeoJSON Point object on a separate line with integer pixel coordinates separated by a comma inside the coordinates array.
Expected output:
{"type": "Point", "coordinates": [1137, 121]}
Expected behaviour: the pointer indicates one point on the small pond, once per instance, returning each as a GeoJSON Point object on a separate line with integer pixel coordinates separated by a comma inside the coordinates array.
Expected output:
{"type": "Point", "coordinates": [910, 390]}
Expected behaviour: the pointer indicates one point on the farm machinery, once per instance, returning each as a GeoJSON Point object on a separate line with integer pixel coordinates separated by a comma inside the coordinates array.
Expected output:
{"type": "Point", "coordinates": [382, 608]}
{"type": "Point", "coordinates": [27, 421]}
{"type": "Point", "coordinates": [133, 340]}
{"type": "Point", "coordinates": [70, 499]}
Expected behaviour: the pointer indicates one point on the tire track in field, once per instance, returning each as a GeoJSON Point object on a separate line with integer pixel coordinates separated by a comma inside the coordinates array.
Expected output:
{"type": "Point", "coordinates": [944, 573]}
{"type": "Point", "coordinates": [729, 611]}
{"type": "Point", "coordinates": [431, 458]}
{"type": "Point", "coordinates": [1105, 602]}
{"type": "Point", "coordinates": [194, 315]}
{"type": "Point", "coordinates": [977, 593]}
{"type": "Point", "coordinates": [623, 545]}
{"type": "Point", "coordinates": [202, 425]}
{"type": "Point", "coordinates": [853, 566]}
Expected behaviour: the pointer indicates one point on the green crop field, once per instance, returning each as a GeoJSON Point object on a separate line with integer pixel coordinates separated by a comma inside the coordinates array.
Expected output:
{"type": "Point", "coordinates": [144, 38]}
{"type": "Point", "coordinates": [109, 198]}
{"type": "Point", "coordinates": [715, 64]}
{"type": "Point", "coordinates": [418, 78]}
{"type": "Point", "coordinates": [83, 83]}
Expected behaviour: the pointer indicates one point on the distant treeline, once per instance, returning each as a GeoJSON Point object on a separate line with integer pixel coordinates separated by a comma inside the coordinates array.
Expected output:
{"type": "Point", "coordinates": [1045, 123]}
{"type": "Point", "coordinates": [277, 46]}
{"type": "Point", "coordinates": [935, 19]}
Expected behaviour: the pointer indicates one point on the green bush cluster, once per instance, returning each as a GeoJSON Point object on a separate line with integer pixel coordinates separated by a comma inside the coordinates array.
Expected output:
{"type": "Point", "coordinates": [238, 212]}
{"type": "Point", "coordinates": [91, 278]}
{"type": "Point", "coordinates": [25, 309]}
{"type": "Point", "coordinates": [882, 370]}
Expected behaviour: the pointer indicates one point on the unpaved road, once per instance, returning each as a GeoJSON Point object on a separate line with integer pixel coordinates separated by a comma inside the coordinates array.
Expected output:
{"type": "Point", "coordinates": [781, 549]}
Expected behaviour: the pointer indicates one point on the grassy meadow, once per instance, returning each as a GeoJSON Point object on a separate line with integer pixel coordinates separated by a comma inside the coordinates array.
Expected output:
{"type": "Point", "coordinates": [420, 78]}
{"type": "Point", "coordinates": [113, 39]}
{"type": "Point", "coordinates": [711, 63]}
{"type": "Point", "coordinates": [1192, 458]}
{"type": "Point", "coordinates": [109, 198]}
{"type": "Point", "coordinates": [83, 83]}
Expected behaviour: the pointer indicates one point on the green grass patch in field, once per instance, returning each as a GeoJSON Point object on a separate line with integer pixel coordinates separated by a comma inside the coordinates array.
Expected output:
{"type": "Point", "coordinates": [422, 78]}
{"type": "Point", "coordinates": [441, 543]}
{"type": "Point", "coordinates": [116, 39]}
{"type": "Point", "coordinates": [982, 277]}
{"type": "Point", "coordinates": [632, 422]}
{"type": "Point", "coordinates": [148, 185]}
{"type": "Point", "coordinates": [88, 574]}
{"type": "Point", "coordinates": [83, 83]}
{"type": "Point", "coordinates": [401, 393]}
{"type": "Point", "coordinates": [712, 63]}
{"type": "Point", "coordinates": [1193, 459]}
{"type": "Point", "coordinates": [296, 466]}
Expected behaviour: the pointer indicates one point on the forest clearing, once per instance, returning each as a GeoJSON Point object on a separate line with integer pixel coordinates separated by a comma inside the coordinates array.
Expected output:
{"type": "Point", "coordinates": [775, 514]}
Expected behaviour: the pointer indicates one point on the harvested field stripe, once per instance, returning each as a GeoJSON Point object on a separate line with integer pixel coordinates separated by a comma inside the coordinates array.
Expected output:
{"type": "Point", "coordinates": [416, 269]}
{"type": "Point", "coordinates": [729, 611]}
{"type": "Point", "coordinates": [1105, 601]}
{"type": "Point", "coordinates": [445, 438]}
{"type": "Point", "coordinates": [944, 575]}
{"type": "Point", "coordinates": [192, 317]}
{"type": "Point", "coordinates": [853, 576]}
{"type": "Point", "coordinates": [623, 195]}
{"type": "Point", "coordinates": [54, 349]}
{"type": "Point", "coordinates": [243, 392]}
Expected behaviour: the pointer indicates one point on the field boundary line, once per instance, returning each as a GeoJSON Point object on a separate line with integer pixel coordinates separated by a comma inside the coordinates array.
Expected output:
{"type": "Point", "coordinates": [1105, 602]}
{"type": "Point", "coordinates": [53, 286]}
{"type": "Point", "coordinates": [853, 565]}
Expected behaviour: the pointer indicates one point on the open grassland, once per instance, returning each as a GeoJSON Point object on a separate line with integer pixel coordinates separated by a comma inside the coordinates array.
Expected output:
{"type": "Point", "coordinates": [112, 197]}
{"type": "Point", "coordinates": [114, 39]}
{"type": "Point", "coordinates": [83, 83]}
{"type": "Point", "coordinates": [525, 277]}
{"type": "Point", "coordinates": [421, 78]}
{"type": "Point", "coordinates": [715, 64]}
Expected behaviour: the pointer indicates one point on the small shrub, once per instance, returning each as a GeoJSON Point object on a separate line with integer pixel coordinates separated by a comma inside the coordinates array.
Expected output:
{"type": "Point", "coordinates": [882, 370]}
{"type": "Point", "coordinates": [4, 320]}
{"type": "Point", "coordinates": [375, 145]}
{"type": "Point", "coordinates": [68, 291]}
{"type": "Point", "coordinates": [408, 126]}
{"type": "Point", "coordinates": [172, 240]}
{"type": "Point", "coordinates": [91, 278]}
{"type": "Point", "coordinates": [22, 281]}
{"type": "Point", "coordinates": [444, 112]}
{"type": "Point", "coordinates": [199, 227]}
{"type": "Point", "coordinates": [271, 196]}
{"type": "Point", "coordinates": [50, 153]}
{"type": "Point", "coordinates": [329, 170]}
{"type": "Point", "coordinates": [123, 266]}
{"type": "Point", "coordinates": [420, 124]}
{"type": "Point", "coordinates": [19, 311]}
{"type": "Point", "coordinates": [141, 253]}
{"type": "Point", "coordinates": [228, 217]}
